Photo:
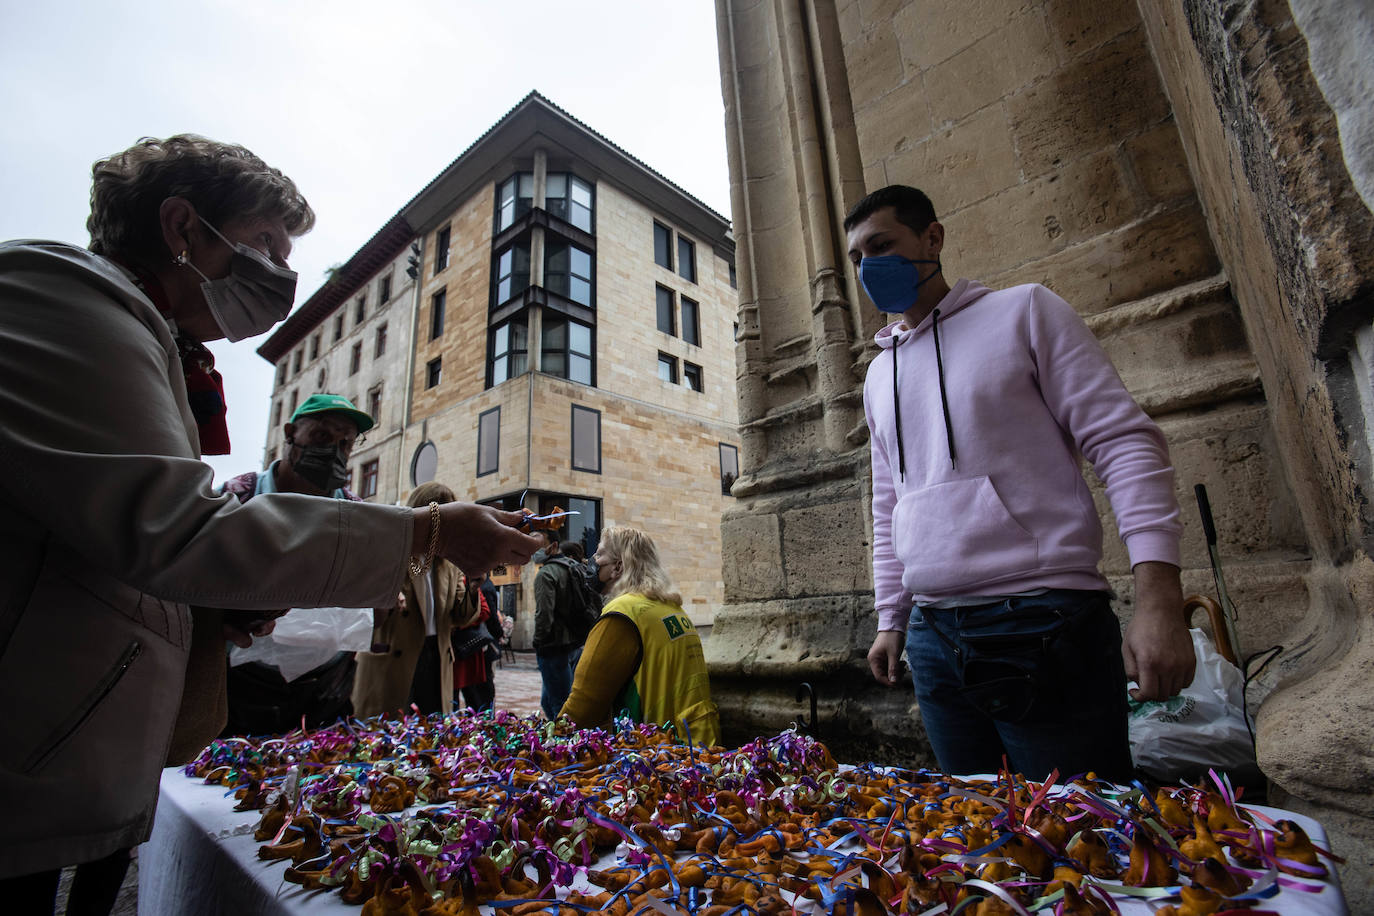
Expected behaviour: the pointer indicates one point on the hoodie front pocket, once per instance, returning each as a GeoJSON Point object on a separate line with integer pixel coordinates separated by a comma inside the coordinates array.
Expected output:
{"type": "Point", "coordinates": [956, 537]}
{"type": "Point", "coordinates": [84, 710]}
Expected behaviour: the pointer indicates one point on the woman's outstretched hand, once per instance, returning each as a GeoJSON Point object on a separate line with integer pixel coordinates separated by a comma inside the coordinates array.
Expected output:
{"type": "Point", "coordinates": [476, 538]}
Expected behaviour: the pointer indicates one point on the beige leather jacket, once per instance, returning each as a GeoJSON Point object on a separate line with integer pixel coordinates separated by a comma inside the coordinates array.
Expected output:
{"type": "Point", "coordinates": [108, 529]}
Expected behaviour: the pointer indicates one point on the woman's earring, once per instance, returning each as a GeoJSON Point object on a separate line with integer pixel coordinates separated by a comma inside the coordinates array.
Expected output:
{"type": "Point", "coordinates": [182, 259]}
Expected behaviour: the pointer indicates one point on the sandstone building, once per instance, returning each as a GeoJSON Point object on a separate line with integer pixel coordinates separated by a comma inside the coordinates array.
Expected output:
{"type": "Point", "coordinates": [566, 339]}
{"type": "Point", "coordinates": [1195, 178]}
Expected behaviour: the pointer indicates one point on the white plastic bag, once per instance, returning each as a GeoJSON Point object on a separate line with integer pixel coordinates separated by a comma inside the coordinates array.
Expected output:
{"type": "Point", "coordinates": [1201, 728]}
{"type": "Point", "coordinates": [306, 638]}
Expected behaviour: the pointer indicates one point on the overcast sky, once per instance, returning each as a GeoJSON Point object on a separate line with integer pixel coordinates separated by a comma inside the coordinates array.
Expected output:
{"type": "Point", "coordinates": [361, 107]}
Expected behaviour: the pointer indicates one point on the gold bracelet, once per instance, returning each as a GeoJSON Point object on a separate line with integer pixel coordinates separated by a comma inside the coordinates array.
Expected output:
{"type": "Point", "coordinates": [420, 565]}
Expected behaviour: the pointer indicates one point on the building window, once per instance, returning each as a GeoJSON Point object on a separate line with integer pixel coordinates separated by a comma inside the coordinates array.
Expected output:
{"type": "Point", "coordinates": [665, 310]}
{"type": "Point", "coordinates": [384, 290]}
{"type": "Point", "coordinates": [691, 374]}
{"type": "Point", "coordinates": [295, 399]}
{"type": "Point", "coordinates": [686, 259]}
{"type": "Point", "coordinates": [374, 405]}
{"type": "Point", "coordinates": [663, 246]}
{"type": "Point", "coordinates": [360, 310]}
{"type": "Point", "coordinates": [281, 372]}
{"type": "Point", "coordinates": [586, 439]}
{"type": "Point", "coordinates": [568, 272]}
{"type": "Point", "coordinates": [488, 441]}
{"type": "Point", "coordinates": [319, 379]}
{"type": "Point", "coordinates": [338, 327]}
{"type": "Point", "coordinates": [296, 362]}
{"type": "Point", "coordinates": [729, 467]}
{"type": "Point", "coordinates": [380, 347]}
{"type": "Point", "coordinates": [567, 349]}
{"type": "Point", "coordinates": [512, 272]}
{"type": "Point", "coordinates": [509, 350]}
{"type": "Point", "coordinates": [667, 368]}
{"type": "Point", "coordinates": [441, 249]}
{"type": "Point", "coordinates": [734, 284]}
{"type": "Point", "coordinates": [425, 464]}
{"type": "Point", "coordinates": [355, 362]}
{"type": "Point", "coordinates": [569, 198]}
{"type": "Point", "coordinates": [276, 414]}
{"type": "Point", "coordinates": [434, 370]}
{"type": "Point", "coordinates": [348, 483]}
{"type": "Point", "coordinates": [315, 347]}
{"type": "Point", "coordinates": [437, 304]}
{"type": "Point", "coordinates": [691, 322]}
{"type": "Point", "coordinates": [514, 197]}
{"type": "Point", "coordinates": [369, 487]}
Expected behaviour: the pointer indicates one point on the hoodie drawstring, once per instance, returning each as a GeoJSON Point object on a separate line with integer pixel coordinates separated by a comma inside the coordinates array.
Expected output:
{"type": "Point", "coordinates": [897, 412]}
{"type": "Point", "coordinates": [944, 401]}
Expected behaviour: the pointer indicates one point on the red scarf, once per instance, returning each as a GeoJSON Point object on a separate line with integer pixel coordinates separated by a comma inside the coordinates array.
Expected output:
{"type": "Point", "coordinates": [204, 386]}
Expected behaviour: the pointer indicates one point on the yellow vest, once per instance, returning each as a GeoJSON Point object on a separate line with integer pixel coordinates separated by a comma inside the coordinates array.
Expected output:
{"type": "Point", "coordinates": [671, 684]}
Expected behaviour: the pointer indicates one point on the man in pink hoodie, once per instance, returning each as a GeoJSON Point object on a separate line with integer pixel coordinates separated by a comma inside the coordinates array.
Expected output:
{"type": "Point", "coordinates": [986, 542]}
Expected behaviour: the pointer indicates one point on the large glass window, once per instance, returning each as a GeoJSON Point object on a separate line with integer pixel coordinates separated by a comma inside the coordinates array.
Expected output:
{"type": "Point", "coordinates": [568, 271]}
{"type": "Point", "coordinates": [514, 197]}
{"type": "Point", "coordinates": [686, 259]}
{"type": "Point", "coordinates": [569, 198]}
{"type": "Point", "coordinates": [488, 441]}
{"type": "Point", "coordinates": [512, 272]}
{"type": "Point", "coordinates": [509, 350]}
{"type": "Point", "coordinates": [691, 321]}
{"type": "Point", "coordinates": [729, 467]}
{"type": "Point", "coordinates": [665, 310]}
{"type": "Point", "coordinates": [663, 246]}
{"type": "Point", "coordinates": [567, 349]}
{"type": "Point", "coordinates": [586, 439]}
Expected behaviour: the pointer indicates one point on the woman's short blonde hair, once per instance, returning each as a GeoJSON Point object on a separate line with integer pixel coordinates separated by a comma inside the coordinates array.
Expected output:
{"type": "Point", "coordinates": [432, 492]}
{"type": "Point", "coordinates": [223, 181]}
{"type": "Point", "coordinates": [643, 572]}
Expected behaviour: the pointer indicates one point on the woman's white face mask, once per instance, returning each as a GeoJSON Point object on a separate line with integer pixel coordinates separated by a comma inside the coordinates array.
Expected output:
{"type": "Point", "coordinates": [255, 295]}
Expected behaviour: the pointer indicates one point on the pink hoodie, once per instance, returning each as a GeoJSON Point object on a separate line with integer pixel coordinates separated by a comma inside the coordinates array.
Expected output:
{"type": "Point", "coordinates": [978, 491]}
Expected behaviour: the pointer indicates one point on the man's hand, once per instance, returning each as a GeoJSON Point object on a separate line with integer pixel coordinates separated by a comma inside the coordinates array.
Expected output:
{"type": "Point", "coordinates": [1157, 648]}
{"type": "Point", "coordinates": [884, 658]}
{"type": "Point", "coordinates": [476, 538]}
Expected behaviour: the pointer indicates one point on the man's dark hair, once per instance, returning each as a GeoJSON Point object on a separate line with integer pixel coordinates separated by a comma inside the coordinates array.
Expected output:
{"type": "Point", "coordinates": [572, 549]}
{"type": "Point", "coordinates": [911, 207]}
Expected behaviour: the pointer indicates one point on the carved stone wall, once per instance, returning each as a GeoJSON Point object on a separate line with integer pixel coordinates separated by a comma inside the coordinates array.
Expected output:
{"type": "Point", "coordinates": [1171, 171]}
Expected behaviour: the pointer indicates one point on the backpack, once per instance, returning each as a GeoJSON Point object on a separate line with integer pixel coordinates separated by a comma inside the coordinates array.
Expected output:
{"type": "Point", "coordinates": [584, 605]}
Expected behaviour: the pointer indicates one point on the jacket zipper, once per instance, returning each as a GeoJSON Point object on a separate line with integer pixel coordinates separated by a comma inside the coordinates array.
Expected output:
{"type": "Point", "coordinates": [83, 712]}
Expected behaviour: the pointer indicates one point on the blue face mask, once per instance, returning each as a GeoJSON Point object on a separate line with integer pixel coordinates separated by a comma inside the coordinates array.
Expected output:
{"type": "Point", "coordinates": [892, 281]}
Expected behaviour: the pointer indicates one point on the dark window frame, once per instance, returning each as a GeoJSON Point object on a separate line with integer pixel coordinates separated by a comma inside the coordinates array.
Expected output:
{"type": "Point", "coordinates": [589, 279]}
{"type": "Point", "coordinates": [374, 403]}
{"type": "Point", "coordinates": [695, 324]}
{"type": "Point", "coordinates": [516, 212]}
{"type": "Point", "coordinates": [384, 289]}
{"type": "Point", "coordinates": [438, 305]}
{"type": "Point", "coordinates": [522, 244]}
{"type": "Point", "coordinates": [724, 484]}
{"type": "Point", "coordinates": [568, 204]}
{"type": "Point", "coordinates": [669, 360]}
{"type": "Point", "coordinates": [496, 464]}
{"type": "Point", "coordinates": [379, 342]}
{"type": "Point", "coordinates": [315, 345]}
{"type": "Point", "coordinates": [355, 359]}
{"type": "Point", "coordinates": [368, 476]}
{"type": "Point", "coordinates": [434, 372]}
{"type": "Point", "coordinates": [442, 239]}
{"type": "Point", "coordinates": [521, 318]}
{"type": "Point", "coordinates": [572, 438]}
{"type": "Point", "coordinates": [567, 351]}
{"type": "Point", "coordinates": [666, 261]}
{"type": "Point", "coordinates": [339, 326]}
{"type": "Point", "coordinates": [360, 310]}
{"type": "Point", "coordinates": [689, 247]}
{"type": "Point", "coordinates": [688, 369]}
{"type": "Point", "coordinates": [659, 291]}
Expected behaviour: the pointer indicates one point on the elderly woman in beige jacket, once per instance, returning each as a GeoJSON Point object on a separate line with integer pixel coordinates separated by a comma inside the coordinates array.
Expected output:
{"type": "Point", "coordinates": [414, 664]}
{"type": "Point", "coordinates": [109, 527]}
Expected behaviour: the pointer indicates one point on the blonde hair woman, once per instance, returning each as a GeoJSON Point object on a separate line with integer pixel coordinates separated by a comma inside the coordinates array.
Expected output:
{"type": "Point", "coordinates": [643, 657]}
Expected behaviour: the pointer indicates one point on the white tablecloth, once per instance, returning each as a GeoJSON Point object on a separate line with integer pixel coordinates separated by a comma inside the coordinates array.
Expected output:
{"type": "Point", "coordinates": [202, 859]}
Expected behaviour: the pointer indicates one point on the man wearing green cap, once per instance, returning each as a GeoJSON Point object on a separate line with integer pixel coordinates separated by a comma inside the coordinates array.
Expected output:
{"type": "Point", "coordinates": [320, 438]}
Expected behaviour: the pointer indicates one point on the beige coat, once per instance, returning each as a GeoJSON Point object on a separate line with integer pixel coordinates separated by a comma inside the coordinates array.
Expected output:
{"type": "Point", "coordinates": [108, 529]}
{"type": "Point", "coordinates": [382, 681]}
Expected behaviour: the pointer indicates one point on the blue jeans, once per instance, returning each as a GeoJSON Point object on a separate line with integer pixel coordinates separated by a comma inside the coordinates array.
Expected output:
{"type": "Point", "coordinates": [556, 667]}
{"type": "Point", "coordinates": [1039, 680]}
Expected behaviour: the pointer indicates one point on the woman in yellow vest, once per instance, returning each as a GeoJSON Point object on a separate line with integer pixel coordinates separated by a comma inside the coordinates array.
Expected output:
{"type": "Point", "coordinates": [643, 657]}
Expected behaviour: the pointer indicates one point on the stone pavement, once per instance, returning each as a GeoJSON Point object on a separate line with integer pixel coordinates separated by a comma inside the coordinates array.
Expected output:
{"type": "Point", "coordinates": [517, 684]}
